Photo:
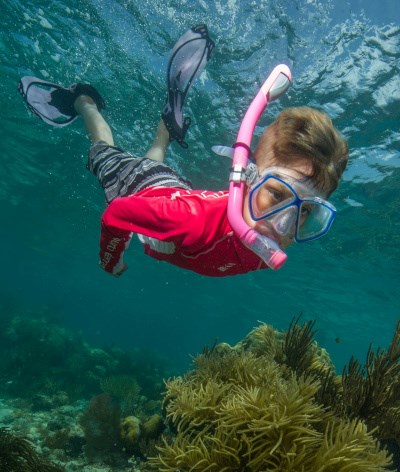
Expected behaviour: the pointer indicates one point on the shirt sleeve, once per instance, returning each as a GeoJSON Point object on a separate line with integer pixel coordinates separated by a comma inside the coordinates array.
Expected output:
{"type": "Point", "coordinates": [163, 218]}
{"type": "Point", "coordinates": [113, 243]}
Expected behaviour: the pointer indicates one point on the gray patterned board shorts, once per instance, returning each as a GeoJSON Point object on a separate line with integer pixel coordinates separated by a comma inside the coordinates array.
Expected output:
{"type": "Point", "coordinates": [121, 174]}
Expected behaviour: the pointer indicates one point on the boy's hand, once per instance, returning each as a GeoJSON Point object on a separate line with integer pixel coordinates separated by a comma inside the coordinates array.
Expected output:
{"type": "Point", "coordinates": [121, 271]}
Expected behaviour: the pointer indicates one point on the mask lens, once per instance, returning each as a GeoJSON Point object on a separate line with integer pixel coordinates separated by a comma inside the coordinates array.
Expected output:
{"type": "Point", "coordinates": [269, 196]}
{"type": "Point", "coordinates": [314, 220]}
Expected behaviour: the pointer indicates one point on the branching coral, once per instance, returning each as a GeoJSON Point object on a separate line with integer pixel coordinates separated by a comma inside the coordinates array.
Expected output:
{"type": "Point", "coordinates": [234, 366]}
{"type": "Point", "coordinates": [193, 404]}
{"type": "Point", "coordinates": [301, 353]}
{"type": "Point", "coordinates": [372, 391]}
{"type": "Point", "coordinates": [18, 455]}
{"type": "Point", "coordinates": [262, 341]}
{"type": "Point", "coordinates": [271, 421]}
{"type": "Point", "coordinates": [348, 446]}
{"type": "Point", "coordinates": [297, 346]}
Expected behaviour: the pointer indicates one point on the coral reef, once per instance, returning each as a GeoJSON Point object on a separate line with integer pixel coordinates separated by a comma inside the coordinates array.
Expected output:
{"type": "Point", "coordinates": [100, 422]}
{"type": "Point", "coordinates": [153, 427]}
{"type": "Point", "coordinates": [271, 402]}
{"type": "Point", "coordinates": [48, 372]}
{"type": "Point", "coordinates": [135, 434]}
{"type": "Point", "coordinates": [42, 361]}
{"type": "Point", "coordinates": [18, 455]}
{"type": "Point", "coordinates": [372, 391]}
{"type": "Point", "coordinates": [125, 389]}
{"type": "Point", "coordinates": [263, 405]}
{"type": "Point", "coordinates": [130, 431]}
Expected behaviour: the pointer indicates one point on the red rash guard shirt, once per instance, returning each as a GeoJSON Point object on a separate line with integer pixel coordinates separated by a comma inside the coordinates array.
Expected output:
{"type": "Point", "coordinates": [187, 228]}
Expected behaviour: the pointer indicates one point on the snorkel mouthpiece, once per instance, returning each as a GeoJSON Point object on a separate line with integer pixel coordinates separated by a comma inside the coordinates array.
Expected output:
{"type": "Point", "coordinates": [267, 249]}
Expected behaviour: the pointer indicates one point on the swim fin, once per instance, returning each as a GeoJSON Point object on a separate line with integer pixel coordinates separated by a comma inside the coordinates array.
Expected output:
{"type": "Point", "coordinates": [188, 59]}
{"type": "Point", "coordinates": [53, 103]}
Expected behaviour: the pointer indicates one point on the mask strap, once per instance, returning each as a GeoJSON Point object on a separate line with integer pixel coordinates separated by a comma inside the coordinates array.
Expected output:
{"type": "Point", "coordinates": [251, 173]}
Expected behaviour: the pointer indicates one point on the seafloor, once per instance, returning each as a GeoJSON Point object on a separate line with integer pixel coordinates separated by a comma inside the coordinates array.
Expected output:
{"type": "Point", "coordinates": [274, 398]}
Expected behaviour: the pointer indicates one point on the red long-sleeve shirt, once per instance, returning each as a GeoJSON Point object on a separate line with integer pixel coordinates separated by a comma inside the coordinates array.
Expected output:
{"type": "Point", "coordinates": [188, 228]}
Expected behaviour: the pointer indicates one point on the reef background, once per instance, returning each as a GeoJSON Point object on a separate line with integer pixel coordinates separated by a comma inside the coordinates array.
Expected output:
{"type": "Point", "coordinates": [272, 399]}
{"type": "Point", "coordinates": [344, 58]}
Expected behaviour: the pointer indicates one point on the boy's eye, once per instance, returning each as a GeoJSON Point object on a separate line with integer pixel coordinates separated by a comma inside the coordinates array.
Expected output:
{"type": "Point", "coordinates": [305, 211]}
{"type": "Point", "coordinates": [277, 192]}
{"type": "Point", "coordinates": [277, 195]}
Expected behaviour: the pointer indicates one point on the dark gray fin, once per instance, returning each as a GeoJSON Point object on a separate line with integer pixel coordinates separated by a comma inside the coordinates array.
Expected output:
{"type": "Point", "coordinates": [188, 59]}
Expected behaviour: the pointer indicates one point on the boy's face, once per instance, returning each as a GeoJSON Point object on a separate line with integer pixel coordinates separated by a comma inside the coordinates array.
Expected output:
{"type": "Point", "coordinates": [282, 229]}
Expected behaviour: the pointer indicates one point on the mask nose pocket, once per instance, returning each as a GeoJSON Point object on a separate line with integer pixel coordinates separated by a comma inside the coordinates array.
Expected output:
{"type": "Point", "coordinates": [285, 221]}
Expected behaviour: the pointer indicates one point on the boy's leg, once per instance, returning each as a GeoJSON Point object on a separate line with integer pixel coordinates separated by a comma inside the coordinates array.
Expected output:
{"type": "Point", "coordinates": [160, 144]}
{"type": "Point", "coordinates": [96, 126]}
{"type": "Point", "coordinates": [99, 130]}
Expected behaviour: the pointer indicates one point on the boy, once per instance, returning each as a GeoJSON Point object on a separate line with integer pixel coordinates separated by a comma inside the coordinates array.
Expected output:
{"type": "Point", "coordinates": [189, 228]}
{"type": "Point", "coordinates": [300, 158]}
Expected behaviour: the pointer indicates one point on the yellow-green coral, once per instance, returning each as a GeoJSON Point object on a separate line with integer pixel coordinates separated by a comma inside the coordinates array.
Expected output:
{"type": "Point", "coordinates": [129, 431]}
{"type": "Point", "coordinates": [252, 409]}
{"type": "Point", "coordinates": [124, 388]}
{"type": "Point", "coordinates": [153, 427]}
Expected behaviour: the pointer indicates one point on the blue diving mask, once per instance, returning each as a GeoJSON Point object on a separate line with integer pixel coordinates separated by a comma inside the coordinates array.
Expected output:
{"type": "Point", "coordinates": [288, 208]}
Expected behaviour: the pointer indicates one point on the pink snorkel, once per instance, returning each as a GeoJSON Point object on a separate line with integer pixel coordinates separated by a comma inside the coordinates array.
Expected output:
{"type": "Point", "coordinates": [266, 248]}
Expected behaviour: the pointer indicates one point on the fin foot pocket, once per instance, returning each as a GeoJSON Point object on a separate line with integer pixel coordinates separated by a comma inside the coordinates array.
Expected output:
{"type": "Point", "coordinates": [53, 103]}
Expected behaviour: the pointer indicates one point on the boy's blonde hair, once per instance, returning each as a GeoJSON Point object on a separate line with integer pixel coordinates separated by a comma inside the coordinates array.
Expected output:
{"type": "Point", "coordinates": [305, 133]}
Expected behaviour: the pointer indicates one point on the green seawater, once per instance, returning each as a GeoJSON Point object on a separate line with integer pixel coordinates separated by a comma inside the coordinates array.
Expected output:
{"type": "Point", "coordinates": [344, 57]}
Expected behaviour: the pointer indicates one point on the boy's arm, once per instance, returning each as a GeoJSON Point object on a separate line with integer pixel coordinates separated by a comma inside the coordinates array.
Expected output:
{"type": "Point", "coordinates": [113, 243]}
{"type": "Point", "coordinates": [160, 218]}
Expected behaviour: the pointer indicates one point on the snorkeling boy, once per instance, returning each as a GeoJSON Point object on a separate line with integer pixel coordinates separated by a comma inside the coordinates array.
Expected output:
{"type": "Point", "coordinates": [298, 163]}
